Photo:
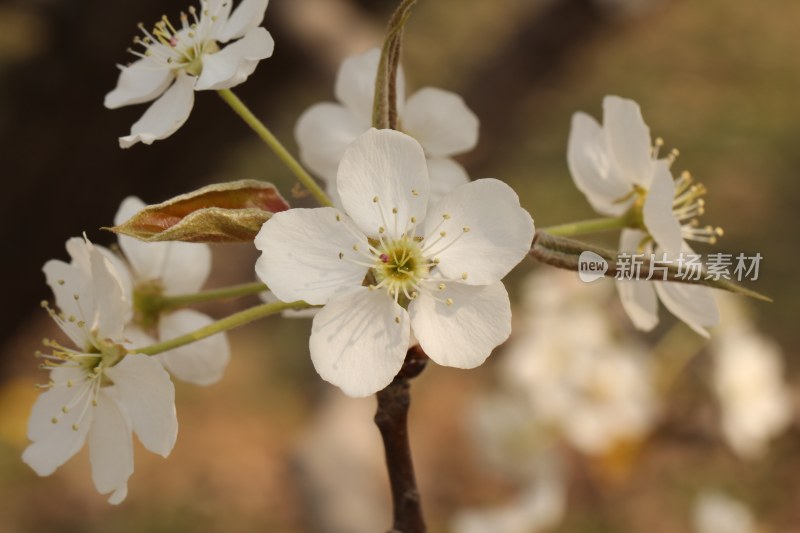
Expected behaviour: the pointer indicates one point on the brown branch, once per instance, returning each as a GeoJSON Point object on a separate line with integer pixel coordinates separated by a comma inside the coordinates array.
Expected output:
{"type": "Point", "coordinates": [392, 421]}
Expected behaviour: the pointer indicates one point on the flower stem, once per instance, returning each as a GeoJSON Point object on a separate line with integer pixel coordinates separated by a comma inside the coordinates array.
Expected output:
{"type": "Point", "coordinates": [392, 421]}
{"type": "Point", "coordinates": [593, 225]}
{"type": "Point", "coordinates": [283, 154]}
{"type": "Point", "coordinates": [234, 291]}
{"type": "Point", "coordinates": [235, 320]}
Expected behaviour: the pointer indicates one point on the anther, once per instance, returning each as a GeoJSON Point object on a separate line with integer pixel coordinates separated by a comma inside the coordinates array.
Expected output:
{"type": "Point", "coordinates": [397, 319]}
{"type": "Point", "coordinates": [394, 210]}
{"type": "Point", "coordinates": [442, 286]}
{"type": "Point", "coordinates": [465, 229]}
{"type": "Point", "coordinates": [414, 192]}
{"type": "Point", "coordinates": [338, 218]}
{"type": "Point", "coordinates": [60, 282]}
{"type": "Point", "coordinates": [464, 276]}
{"type": "Point", "coordinates": [341, 255]}
{"type": "Point", "coordinates": [374, 199]}
{"type": "Point", "coordinates": [446, 216]}
{"type": "Point", "coordinates": [449, 302]}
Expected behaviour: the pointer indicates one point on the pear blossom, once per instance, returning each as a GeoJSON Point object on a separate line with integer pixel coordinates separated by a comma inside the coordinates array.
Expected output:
{"type": "Point", "coordinates": [439, 120]}
{"type": "Point", "coordinates": [617, 167]}
{"type": "Point", "coordinates": [156, 269]}
{"type": "Point", "coordinates": [592, 389]}
{"type": "Point", "coordinates": [717, 512]}
{"type": "Point", "coordinates": [177, 60]}
{"type": "Point", "coordinates": [388, 263]}
{"type": "Point", "coordinates": [97, 391]}
{"type": "Point", "coordinates": [748, 379]}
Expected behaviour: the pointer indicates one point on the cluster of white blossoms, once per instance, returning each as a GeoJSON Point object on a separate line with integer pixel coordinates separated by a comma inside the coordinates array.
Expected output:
{"type": "Point", "coordinates": [389, 263]}
{"type": "Point", "coordinates": [439, 120]}
{"type": "Point", "coordinates": [593, 389]}
{"type": "Point", "coordinates": [748, 379]}
{"type": "Point", "coordinates": [617, 167]}
{"type": "Point", "coordinates": [174, 61]}
{"type": "Point", "coordinates": [412, 252]}
{"type": "Point", "coordinates": [97, 390]}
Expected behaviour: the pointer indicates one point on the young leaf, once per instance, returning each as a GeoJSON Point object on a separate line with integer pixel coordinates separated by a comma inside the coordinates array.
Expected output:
{"type": "Point", "coordinates": [219, 213]}
{"type": "Point", "coordinates": [564, 253]}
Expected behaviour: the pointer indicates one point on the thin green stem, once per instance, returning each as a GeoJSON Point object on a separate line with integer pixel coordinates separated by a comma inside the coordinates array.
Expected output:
{"type": "Point", "coordinates": [234, 291]}
{"type": "Point", "coordinates": [594, 225]}
{"type": "Point", "coordinates": [283, 154]}
{"type": "Point", "coordinates": [235, 320]}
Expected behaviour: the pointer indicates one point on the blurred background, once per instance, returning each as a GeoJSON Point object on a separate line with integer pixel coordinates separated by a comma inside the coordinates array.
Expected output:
{"type": "Point", "coordinates": [272, 447]}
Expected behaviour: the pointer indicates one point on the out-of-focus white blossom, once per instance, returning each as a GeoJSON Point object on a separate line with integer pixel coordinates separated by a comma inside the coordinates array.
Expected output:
{"type": "Point", "coordinates": [716, 512]}
{"type": "Point", "coordinates": [439, 120]}
{"type": "Point", "coordinates": [156, 269]}
{"type": "Point", "coordinates": [749, 382]}
{"type": "Point", "coordinates": [592, 388]}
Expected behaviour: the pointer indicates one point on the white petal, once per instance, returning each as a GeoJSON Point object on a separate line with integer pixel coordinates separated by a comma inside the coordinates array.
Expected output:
{"type": "Point", "coordinates": [140, 82]}
{"type": "Point", "coordinates": [638, 297]}
{"type": "Point", "coordinates": [148, 397]}
{"type": "Point", "coordinates": [53, 444]}
{"type": "Point", "coordinates": [355, 84]}
{"type": "Point", "coordinates": [110, 448]}
{"type": "Point", "coordinates": [464, 333]}
{"type": "Point", "coordinates": [233, 64]}
{"type": "Point", "coordinates": [661, 223]}
{"type": "Point", "coordinates": [248, 15]}
{"type": "Point", "coordinates": [202, 362]}
{"type": "Point", "coordinates": [359, 341]}
{"type": "Point", "coordinates": [383, 181]}
{"type": "Point", "coordinates": [111, 307]}
{"type": "Point", "coordinates": [66, 281]}
{"type": "Point", "coordinates": [323, 132]}
{"type": "Point", "coordinates": [300, 254]}
{"type": "Point", "coordinates": [499, 232]}
{"type": "Point", "coordinates": [629, 139]}
{"type": "Point", "coordinates": [592, 167]}
{"type": "Point", "coordinates": [180, 267]}
{"type": "Point", "coordinates": [165, 115]}
{"type": "Point", "coordinates": [445, 175]}
{"type": "Point", "coordinates": [441, 122]}
{"type": "Point", "coordinates": [693, 304]}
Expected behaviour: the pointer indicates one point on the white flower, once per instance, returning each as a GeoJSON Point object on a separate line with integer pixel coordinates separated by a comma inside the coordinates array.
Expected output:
{"type": "Point", "coordinates": [716, 512]}
{"type": "Point", "coordinates": [592, 389]}
{"type": "Point", "coordinates": [749, 383]}
{"type": "Point", "coordinates": [616, 166]}
{"type": "Point", "coordinates": [96, 391]}
{"type": "Point", "coordinates": [386, 254]}
{"type": "Point", "coordinates": [168, 269]}
{"type": "Point", "coordinates": [176, 61]}
{"type": "Point", "coordinates": [439, 120]}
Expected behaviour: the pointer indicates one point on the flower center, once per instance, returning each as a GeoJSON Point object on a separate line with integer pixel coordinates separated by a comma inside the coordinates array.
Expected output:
{"type": "Point", "coordinates": [687, 206]}
{"type": "Point", "coordinates": [400, 266]}
{"type": "Point", "coordinates": [180, 48]}
{"type": "Point", "coordinates": [90, 361]}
